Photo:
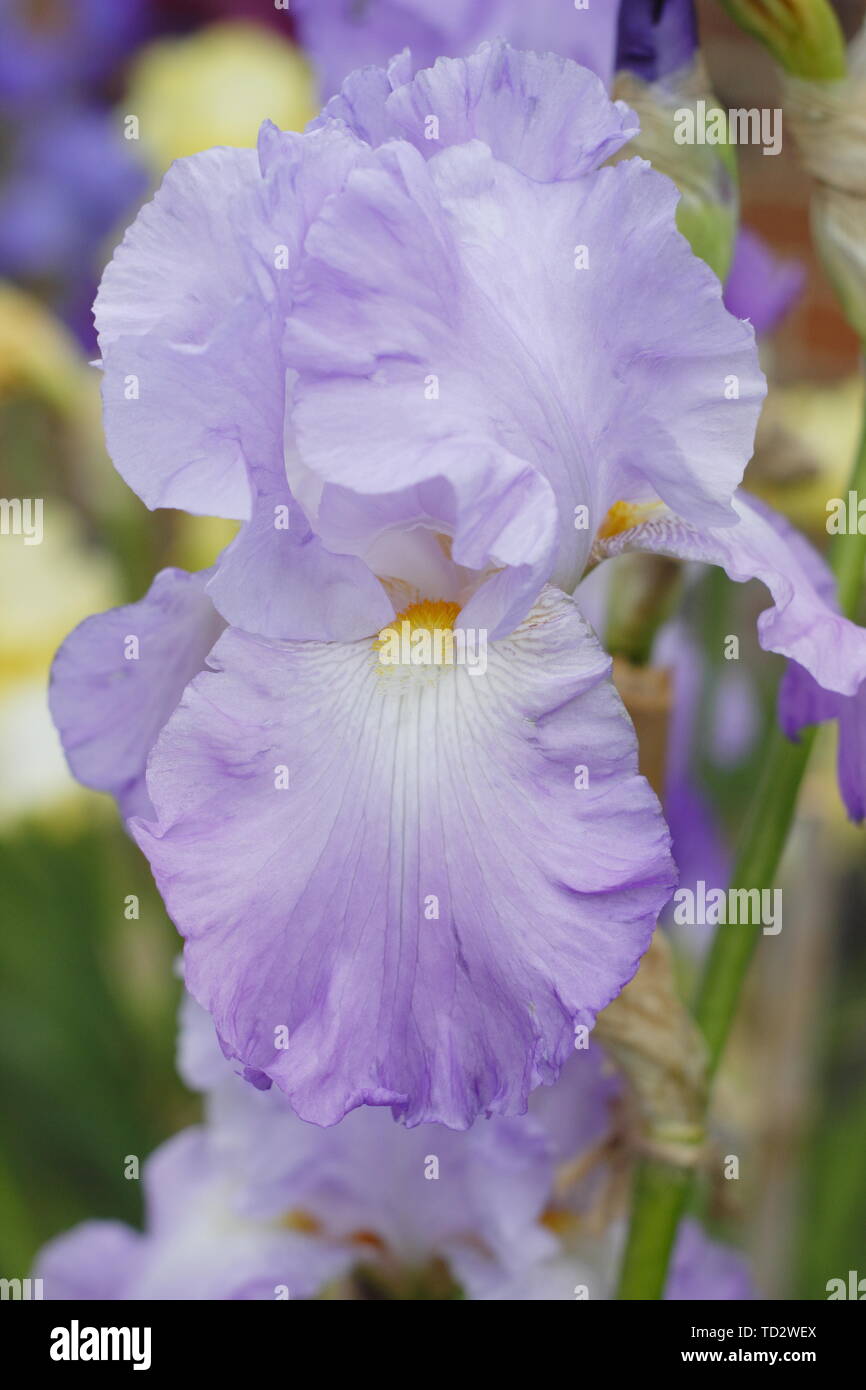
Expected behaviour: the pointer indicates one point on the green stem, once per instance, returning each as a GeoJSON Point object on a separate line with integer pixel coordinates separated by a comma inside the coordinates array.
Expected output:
{"type": "Point", "coordinates": [762, 842]}
{"type": "Point", "coordinates": [662, 1191]}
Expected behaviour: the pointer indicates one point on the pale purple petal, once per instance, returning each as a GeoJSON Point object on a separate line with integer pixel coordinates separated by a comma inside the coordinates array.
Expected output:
{"type": "Point", "coordinates": [184, 366]}
{"type": "Point", "coordinates": [801, 624]}
{"type": "Point", "coordinates": [802, 701]}
{"type": "Point", "coordinates": [277, 579]}
{"type": "Point", "coordinates": [119, 675]}
{"type": "Point", "coordinates": [521, 105]}
{"type": "Point", "coordinates": [304, 907]}
{"type": "Point", "coordinates": [591, 382]}
{"type": "Point", "coordinates": [189, 315]}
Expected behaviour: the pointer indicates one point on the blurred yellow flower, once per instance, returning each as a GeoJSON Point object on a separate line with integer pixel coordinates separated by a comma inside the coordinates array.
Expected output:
{"type": "Point", "coordinates": [48, 589]}
{"type": "Point", "coordinates": [806, 443]}
{"type": "Point", "coordinates": [38, 356]}
{"type": "Point", "coordinates": [215, 88]}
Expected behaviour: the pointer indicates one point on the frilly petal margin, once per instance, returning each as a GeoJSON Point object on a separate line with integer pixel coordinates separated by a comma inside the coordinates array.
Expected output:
{"type": "Point", "coordinates": [802, 623]}
{"type": "Point", "coordinates": [401, 894]}
{"type": "Point", "coordinates": [522, 105]}
{"type": "Point", "coordinates": [802, 701]}
{"type": "Point", "coordinates": [119, 675]}
{"type": "Point", "coordinates": [447, 332]}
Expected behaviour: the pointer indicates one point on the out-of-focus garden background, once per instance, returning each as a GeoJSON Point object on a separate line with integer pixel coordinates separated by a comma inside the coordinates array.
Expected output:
{"type": "Point", "coordinates": [88, 992]}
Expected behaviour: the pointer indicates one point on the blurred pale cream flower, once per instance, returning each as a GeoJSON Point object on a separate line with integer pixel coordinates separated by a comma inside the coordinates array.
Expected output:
{"type": "Point", "coordinates": [829, 124]}
{"type": "Point", "coordinates": [47, 589]}
{"type": "Point", "coordinates": [38, 356]}
{"type": "Point", "coordinates": [805, 447]}
{"type": "Point", "coordinates": [216, 87]}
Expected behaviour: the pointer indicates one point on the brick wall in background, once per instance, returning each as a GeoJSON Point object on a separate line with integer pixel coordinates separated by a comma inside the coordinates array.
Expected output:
{"type": "Point", "coordinates": [814, 342]}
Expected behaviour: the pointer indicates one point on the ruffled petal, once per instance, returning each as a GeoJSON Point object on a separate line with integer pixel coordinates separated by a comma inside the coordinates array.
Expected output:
{"type": "Point", "coordinates": [801, 624]}
{"type": "Point", "coordinates": [171, 410]}
{"type": "Point", "coordinates": [522, 105]}
{"type": "Point", "coordinates": [189, 314]}
{"type": "Point", "coordinates": [119, 675]}
{"type": "Point", "coordinates": [430, 904]}
{"type": "Point", "coordinates": [446, 340]}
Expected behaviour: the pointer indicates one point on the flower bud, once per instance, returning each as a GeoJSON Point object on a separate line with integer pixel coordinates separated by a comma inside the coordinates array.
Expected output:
{"type": "Point", "coordinates": [803, 35]}
{"type": "Point", "coordinates": [829, 123]}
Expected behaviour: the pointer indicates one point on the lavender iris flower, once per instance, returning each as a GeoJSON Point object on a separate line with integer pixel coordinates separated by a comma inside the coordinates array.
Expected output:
{"type": "Point", "coordinates": [649, 37]}
{"type": "Point", "coordinates": [436, 378]}
{"type": "Point", "coordinates": [255, 1204]}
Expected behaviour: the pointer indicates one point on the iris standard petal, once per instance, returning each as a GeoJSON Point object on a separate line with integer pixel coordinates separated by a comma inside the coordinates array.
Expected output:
{"type": "Point", "coordinates": [463, 324]}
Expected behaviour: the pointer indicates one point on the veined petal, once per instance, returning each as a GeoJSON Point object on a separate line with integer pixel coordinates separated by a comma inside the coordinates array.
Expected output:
{"type": "Point", "coordinates": [801, 624]}
{"type": "Point", "coordinates": [119, 675]}
{"type": "Point", "coordinates": [448, 331]}
{"type": "Point", "coordinates": [189, 315]}
{"type": "Point", "coordinates": [522, 105]}
{"type": "Point", "coordinates": [399, 877]}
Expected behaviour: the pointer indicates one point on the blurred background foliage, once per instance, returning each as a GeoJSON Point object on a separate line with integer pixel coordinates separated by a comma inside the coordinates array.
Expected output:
{"type": "Point", "coordinates": [88, 995]}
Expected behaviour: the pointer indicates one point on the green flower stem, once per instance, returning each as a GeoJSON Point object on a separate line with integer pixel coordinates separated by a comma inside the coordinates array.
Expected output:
{"type": "Point", "coordinates": [662, 1191]}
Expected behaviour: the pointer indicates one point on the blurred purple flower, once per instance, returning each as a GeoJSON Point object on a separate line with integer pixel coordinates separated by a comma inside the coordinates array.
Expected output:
{"type": "Point", "coordinates": [650, 37]}
{"type": "Point", "coordinates": [51, 50]}
{"type": "Point", "coordinates": [70, 178]}
{"type": "Point", "coordinates": [256, 1202]}
{"type": "Point", "coordinates": [760, 287]}
{"type": "Point", "coordinates": [342, 36]}
{"type": "Point", "coordinates": [656, 37]}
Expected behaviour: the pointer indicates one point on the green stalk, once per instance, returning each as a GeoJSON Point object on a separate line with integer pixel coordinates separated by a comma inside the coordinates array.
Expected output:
{"type": "Point", "coordinates": [662, 1191]}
